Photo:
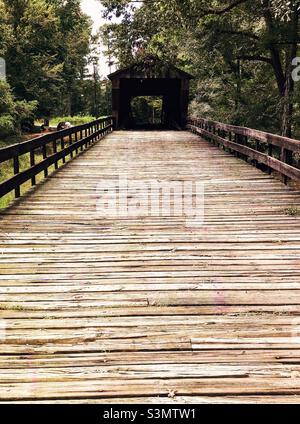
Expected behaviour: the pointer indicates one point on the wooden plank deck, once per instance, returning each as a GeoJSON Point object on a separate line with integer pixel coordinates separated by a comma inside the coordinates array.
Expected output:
{"type": "Point", "coordinates": [129, 310]}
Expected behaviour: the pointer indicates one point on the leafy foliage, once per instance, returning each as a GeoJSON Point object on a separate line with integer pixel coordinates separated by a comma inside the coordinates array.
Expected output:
{"type": "Point", "coordinates": [12, 112]}
{"type": "Point", "coordinates": [147, 110]}
{"type": "Point", "coordinates": [47, 46]}
{"type": "Point", "coordinates": [48, 53]}
{"type": "Point", "coordinates": [240, 52]}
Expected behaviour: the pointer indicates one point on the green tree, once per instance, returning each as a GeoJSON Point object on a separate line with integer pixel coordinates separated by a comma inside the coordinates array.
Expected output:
{"type": "Point", "coordinates": [5, 29]}
{"type": "Point", "coordinates": [239, 46]}
{"type": "Point", "coordinates": [73, 51]}
{"type": "Point", "coordinates": [7, 110]}
{"type": "Point", "coordinates": [47, 53]}
{"type": "Point", "coordinates": [12, 112]}
{"type": "Point", "coordinates": [33, 69]}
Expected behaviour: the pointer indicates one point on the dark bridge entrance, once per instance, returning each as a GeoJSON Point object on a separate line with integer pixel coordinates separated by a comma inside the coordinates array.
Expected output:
{"type": "Point", "coordinates": [151, 78]}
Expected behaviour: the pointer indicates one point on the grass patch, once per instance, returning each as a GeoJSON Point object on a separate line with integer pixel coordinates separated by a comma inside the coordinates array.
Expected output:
{"type": "Point", "coordinates": [74, 120]}
{"type": "Point", "coordinates": [292, 211]}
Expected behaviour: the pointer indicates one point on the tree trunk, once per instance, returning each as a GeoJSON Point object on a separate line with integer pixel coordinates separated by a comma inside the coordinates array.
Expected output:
{"type": "Point", "coordinates": [289, 85]}
{"type": "Point", "coordinates": [287, 105]}
{"type": "Point", "coordinates": [69, 104]}
{"type": "Point", "coordinates": [238, 88]}
{"type": "Point", "coordinates": [284, 76]}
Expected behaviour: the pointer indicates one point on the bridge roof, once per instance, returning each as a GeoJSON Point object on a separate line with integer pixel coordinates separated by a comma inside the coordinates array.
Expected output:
{"type": "Point", "coordinates": [150, 67]}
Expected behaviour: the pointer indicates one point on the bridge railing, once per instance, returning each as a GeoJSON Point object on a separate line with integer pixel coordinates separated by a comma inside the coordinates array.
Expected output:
{"type": "Point", "coordinates": [28, 159]}
{"type": "Point", "coordinates": [266, 151]}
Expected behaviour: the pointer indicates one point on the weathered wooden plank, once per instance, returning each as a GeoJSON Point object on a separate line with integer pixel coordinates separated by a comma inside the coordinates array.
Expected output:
{"type": "Point", "coordinates": [164, 400]}
{"type": "Point", "coordinates": [150, 387]}
{"type": "Point", "coordinates": [100, 309]}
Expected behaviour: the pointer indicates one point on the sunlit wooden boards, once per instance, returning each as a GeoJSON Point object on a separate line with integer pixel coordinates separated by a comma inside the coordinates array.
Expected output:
{"type": "Point", "coordinates": [100, 309]}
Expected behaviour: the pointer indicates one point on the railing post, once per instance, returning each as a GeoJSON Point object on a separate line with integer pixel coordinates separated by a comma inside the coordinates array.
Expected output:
{"type": "Point", "coordinates": [95, 132]}
{"type": "Point", "coordinates": [97, 129]}
{"type": "Point", "coordinates": [245, 143]}
{"type": "Point", "coordinates": [16, 172]}
{"type": "Point", "coordinates": [270, 153]}
{"type": "Point", "coordinates": [219, 135]}
{"type": "Point", "coordinates": [86, 135]}
{"type": "Point", "coordinates": [237, 141]}
{"type": "Point", "coordinates": [62, 146]}
{"type": "Point", "coordinates": [70, 144]}
{"type": "Point", "coordinates": [76, 139]}
{"type": "Point", "coordinates": [81, 137]}
{"type": "Point", "coordinates": [286, 157]}
{"type": "Point", "coordinates": [32, 163]}
{"type": "Point", "coordinates": [44, 148]}
{"type": "Point", "coordinates": [230, 139]}
{"type": "Point", "coordinates": [224, 135]}
{"type": "Point", "coordinates": [55, 151]}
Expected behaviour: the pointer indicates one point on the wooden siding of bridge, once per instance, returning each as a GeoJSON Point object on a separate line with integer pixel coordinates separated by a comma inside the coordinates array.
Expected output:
{"type": "Point", "coordinates": [129, 310]}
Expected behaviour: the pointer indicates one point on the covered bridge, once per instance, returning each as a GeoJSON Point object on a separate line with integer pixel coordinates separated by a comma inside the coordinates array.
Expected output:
{"type": "Point", "coordinates": [151, 77]}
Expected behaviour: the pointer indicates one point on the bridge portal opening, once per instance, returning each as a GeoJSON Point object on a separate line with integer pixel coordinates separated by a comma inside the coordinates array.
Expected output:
{"type": "Point", "coordinates": [147, 112]}
{"type": "Point", "coordinates": [150, 78]}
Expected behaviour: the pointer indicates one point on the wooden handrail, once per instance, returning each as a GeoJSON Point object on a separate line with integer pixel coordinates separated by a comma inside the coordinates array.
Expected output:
{"type": "Point", "coordinates": [275, 152]}
{"type": "Point", "coordinates": [61, 143]}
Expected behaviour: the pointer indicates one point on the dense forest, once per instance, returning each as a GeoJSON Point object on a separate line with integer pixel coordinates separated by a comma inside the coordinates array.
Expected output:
{"type": "Point", "coordinates": [47, 46]}
{"type": "Point", "coordinates": [241, 52]}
